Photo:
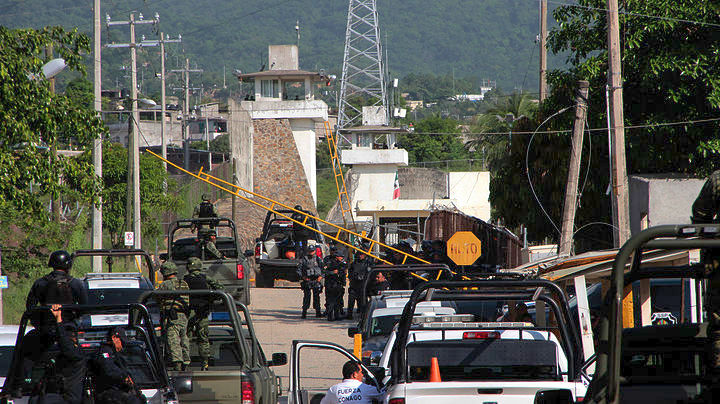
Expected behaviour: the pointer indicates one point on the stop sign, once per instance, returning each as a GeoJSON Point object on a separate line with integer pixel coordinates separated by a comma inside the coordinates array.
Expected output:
{"type": "Point", "coordinates": [463, 248]}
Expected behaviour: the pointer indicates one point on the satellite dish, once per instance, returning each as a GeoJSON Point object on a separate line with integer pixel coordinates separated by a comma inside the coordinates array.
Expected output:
{"type": "Point", "coordinates": [53, 67]}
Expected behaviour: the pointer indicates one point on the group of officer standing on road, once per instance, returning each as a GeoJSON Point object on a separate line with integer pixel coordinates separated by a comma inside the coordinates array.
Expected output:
{"type": "Point", "coordinates": [332, 272]}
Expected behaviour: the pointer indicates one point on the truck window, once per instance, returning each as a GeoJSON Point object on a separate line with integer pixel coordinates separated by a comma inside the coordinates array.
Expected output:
{"type": "Point", "coordinates": [497, 359]}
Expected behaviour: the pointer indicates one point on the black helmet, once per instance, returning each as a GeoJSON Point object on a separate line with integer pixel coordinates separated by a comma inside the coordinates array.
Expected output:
{"type": "Point", "coordinates": [60, 259]}
{"type": "Point", "coordinates": [205, 197]}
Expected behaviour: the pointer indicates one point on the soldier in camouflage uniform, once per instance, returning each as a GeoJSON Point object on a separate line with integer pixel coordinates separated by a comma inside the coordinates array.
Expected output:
{"type": "Point", "coordinates": [200, 308]}
{"type": "Point", "coordinates": [207, 243]}
{"type": "Point", "coordinates": [173, 317]}
{"type": "Point", "coordinates": [706, 209]}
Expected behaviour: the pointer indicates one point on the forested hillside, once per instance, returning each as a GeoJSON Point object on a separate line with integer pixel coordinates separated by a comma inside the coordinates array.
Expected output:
{"type": "Point", "coordinates": [490, 39]}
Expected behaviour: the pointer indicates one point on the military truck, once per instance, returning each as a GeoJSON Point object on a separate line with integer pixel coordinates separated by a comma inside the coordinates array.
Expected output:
{"type": "Point", "coordinates": [239, 372]}
{"type": "Point", "coordinates": [666, 363]}
{"type": "Point", "coordinates": [276, 248]}
{"type": "Point", "coordinates": [185, 240]}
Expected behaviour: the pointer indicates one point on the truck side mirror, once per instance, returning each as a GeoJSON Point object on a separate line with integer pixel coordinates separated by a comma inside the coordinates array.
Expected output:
{"type": "Point", "coordinates": [163, 256]}
{"type": "Point", "coordinates": [560, 396]}
{"type": "Point", "coordinates": [352, 331]}
{"type": "Point", "coordinates": [278, 359]}
{"type": "Point", "coordinates": [249, 253]}
{"type": "Point", "coordinates": [182, 384]}
{"type": "Point", "coordinates": [378, 372]}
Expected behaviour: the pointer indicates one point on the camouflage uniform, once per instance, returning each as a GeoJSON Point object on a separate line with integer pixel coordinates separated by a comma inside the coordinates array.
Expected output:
{"type": "Point", "coordinates": [173, 313]}
{"type": "Point", "coordinates": [209, 248]}
{"type": "Point", "coordinates": [705, 209]}
{"type": "Point", "coordinates": [199, 322]}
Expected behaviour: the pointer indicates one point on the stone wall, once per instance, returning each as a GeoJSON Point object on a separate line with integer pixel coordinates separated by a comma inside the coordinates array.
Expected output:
{"type": "Point", "coordinates": [277, 169]}
{"type": "Point", "coordinates": [422, 183]}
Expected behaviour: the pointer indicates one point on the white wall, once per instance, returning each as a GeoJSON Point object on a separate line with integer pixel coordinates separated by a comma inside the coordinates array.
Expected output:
{"type": "Point", "coordinates": [372, 182]}
{"type": "Point", "coordinates": [305, 140]}
{"type": "Point", "coordinates": [472, 191]}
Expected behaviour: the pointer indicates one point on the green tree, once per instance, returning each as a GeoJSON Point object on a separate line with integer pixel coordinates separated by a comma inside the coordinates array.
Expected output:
{"type": "Point", "coordinates": [155, 202]}
{"type": "Point", "coordinates": [80, 91]}
{"type": "Point", "coordinates": [33, 118]}
{"type": "Point", "coordinates": [434, 139]}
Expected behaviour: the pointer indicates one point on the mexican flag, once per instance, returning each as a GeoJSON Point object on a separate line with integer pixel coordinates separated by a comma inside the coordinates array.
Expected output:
{"type": "Point", "coordinates": [396, 187]}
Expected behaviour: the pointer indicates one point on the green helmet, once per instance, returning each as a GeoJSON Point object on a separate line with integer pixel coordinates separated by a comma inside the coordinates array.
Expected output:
{"type": "Point", "coordinates": [168, 268]}
{"type": "Point", "coordinates": [194, 264]}
{"type": "Point", "coordinates": [206, 197]}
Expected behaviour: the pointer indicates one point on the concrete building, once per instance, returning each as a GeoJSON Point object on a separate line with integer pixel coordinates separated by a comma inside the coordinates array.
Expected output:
{"type": "Point", "coordinates": [377, 164]}
{"type": "Point", "coordinates": [274, 131]}
{"type": "Point", "coordinates": [657, 199]}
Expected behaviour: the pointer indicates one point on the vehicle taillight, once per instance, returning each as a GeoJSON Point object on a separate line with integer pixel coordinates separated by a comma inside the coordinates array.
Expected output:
{"type": "Point", "coordinates": [481, 335]}
{"type": "Point", "coordinates": [580, 399]}
{"type": "Point", "coordinates": [318, 252]}
{"type": "Point", "coordinates": [257, 250]}
{"type": "Point", "coordinates": [240, 271]}
{"type": "Point", "coordinates": [248, 393]}
{"type": "Point", "coordinates": [396, 401]}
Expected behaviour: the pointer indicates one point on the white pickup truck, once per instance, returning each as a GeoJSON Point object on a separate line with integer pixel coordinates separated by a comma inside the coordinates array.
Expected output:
{"type": "Point", "coordinates": [479, 362]}
{"type": "Point", "coordinates": [484, 362]}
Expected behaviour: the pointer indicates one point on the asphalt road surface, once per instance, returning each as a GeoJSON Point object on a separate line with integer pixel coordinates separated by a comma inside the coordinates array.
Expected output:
{"type": "Point", "coordinates": [276, 317]}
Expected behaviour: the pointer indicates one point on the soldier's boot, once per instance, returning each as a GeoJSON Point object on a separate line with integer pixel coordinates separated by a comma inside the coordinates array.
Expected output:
{"type": "Point", "coordinates": [177, 366]}
{"type": "Point", "coordinates": [185, 366]}
{"type": "Point", "coordinates": [304, 313]}
{"type": "Point", "coordinates": [318, 313]}
{"type": "Point", "coordinates": [205, 365]}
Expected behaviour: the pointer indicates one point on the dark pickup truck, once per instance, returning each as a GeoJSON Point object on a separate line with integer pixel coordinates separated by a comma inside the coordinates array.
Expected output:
{"type": "Point", "coordinates": [275, 249]}
{"type": "Point", "coordinates": [667, 363]}
{"type": "Point", "coordinates": [239, 372]}
{"type": "Point", "coordinates": [233, 272]}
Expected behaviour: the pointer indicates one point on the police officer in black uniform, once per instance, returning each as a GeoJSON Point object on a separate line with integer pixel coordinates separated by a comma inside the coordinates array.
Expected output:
{"type": "Point", "coordinates": [334, 265]}
{"type": "Point", "coordinates": [63, 366]}
{"type": "Point", "coordinates": [57, 287]}
{"type": "Point", "coordinates": [113, 376]}
{"type": "Point", "coordinates": [310, 272]}
{"type": "Point", "coordinates": [359, 270]}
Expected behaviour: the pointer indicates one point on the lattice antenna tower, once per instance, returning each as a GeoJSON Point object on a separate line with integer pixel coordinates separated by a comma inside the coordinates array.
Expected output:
{"type": "Point", "coordinates": [363, 72]}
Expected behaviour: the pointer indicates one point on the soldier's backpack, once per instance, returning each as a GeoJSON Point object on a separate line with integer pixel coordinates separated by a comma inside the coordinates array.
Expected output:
{"type": "Point", "coordinates": [197, 282]}
{"type": "Point", "coordinates": [58, 289]}
{"type": "Point", "coordinates": [206, 210]}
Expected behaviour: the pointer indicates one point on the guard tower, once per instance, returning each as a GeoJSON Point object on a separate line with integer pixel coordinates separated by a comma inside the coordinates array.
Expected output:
{"type": "Point", "coordinates": [274, 131]}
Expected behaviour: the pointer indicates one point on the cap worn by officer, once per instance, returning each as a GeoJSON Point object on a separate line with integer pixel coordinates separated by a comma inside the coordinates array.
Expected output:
{"type": "Point", "coordinates": [311, 249]}
{"type": "Point", "coordinates": [60, 259]}
{"type": "Point", "coordinates": [194, 264]}
{"type": "Point", "coordinates": [168, 268]}
{"type": "Point", "coordinates": [333, 249]}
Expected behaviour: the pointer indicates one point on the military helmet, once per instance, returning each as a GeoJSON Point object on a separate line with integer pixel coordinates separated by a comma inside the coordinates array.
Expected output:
{"type": "Point", "coordinates": [206, 197]}
{"type": "Point", "coordinates": [194, 264]}
{"type": "Point", "coordinates": [60, 259]}
{"type": "Point", "coordinates": [168, 268]}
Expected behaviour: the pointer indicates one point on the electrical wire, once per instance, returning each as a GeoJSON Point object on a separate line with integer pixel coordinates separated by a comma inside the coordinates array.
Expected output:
{"type": "Point", "coordinates": [527, 167]}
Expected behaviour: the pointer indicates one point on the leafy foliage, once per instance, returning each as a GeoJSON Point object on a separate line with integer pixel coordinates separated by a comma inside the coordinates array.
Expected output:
{"type": "Point", "coordinates": [33, 119]}
{"type": "Point", "coordinates": [434, 139]}
{"type": "Point", "coordinates": [671, 73]}
{"type": "Point", "coordinates": [155, 202]}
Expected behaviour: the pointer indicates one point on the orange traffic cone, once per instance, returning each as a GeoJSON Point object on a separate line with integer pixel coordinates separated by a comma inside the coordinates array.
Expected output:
{"type": "Point", "coordinates": [434, 370]}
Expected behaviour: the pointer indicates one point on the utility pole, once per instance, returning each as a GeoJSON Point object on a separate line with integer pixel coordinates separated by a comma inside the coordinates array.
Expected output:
{"type": "Point", "coordinates": [133, 220]}
{"type": "Point", "coordinates": [620, 202]}
{"type": "Point", "coordinates": [543, 50]}
{"type": "Point", "coordinates": [97, 230]}
{"type": "Point", "coordinates": [186, 110]}
{"type": "Point", "coordinates": [163, 40]}
{"type": "Point", "coordinates": [568, 222]}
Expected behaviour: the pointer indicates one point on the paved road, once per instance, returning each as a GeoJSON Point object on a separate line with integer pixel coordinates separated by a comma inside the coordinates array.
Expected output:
{"type": "Point", "coordinates": [276, 316]}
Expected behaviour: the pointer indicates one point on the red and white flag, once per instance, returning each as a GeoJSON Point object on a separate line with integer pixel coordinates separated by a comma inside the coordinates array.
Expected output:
{"type": "Point", "coordinates": [396, 187]}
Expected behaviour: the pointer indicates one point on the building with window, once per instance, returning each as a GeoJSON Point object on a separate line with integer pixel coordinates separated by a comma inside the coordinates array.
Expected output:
{"type": "Point", "coordinates": [274, 129]}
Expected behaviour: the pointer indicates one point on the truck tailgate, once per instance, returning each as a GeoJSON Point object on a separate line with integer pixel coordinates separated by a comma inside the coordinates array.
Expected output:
{"type": "Point", "coordinates": [213, 386]}
{"type": "Point", "coordinates": [477, 392]}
